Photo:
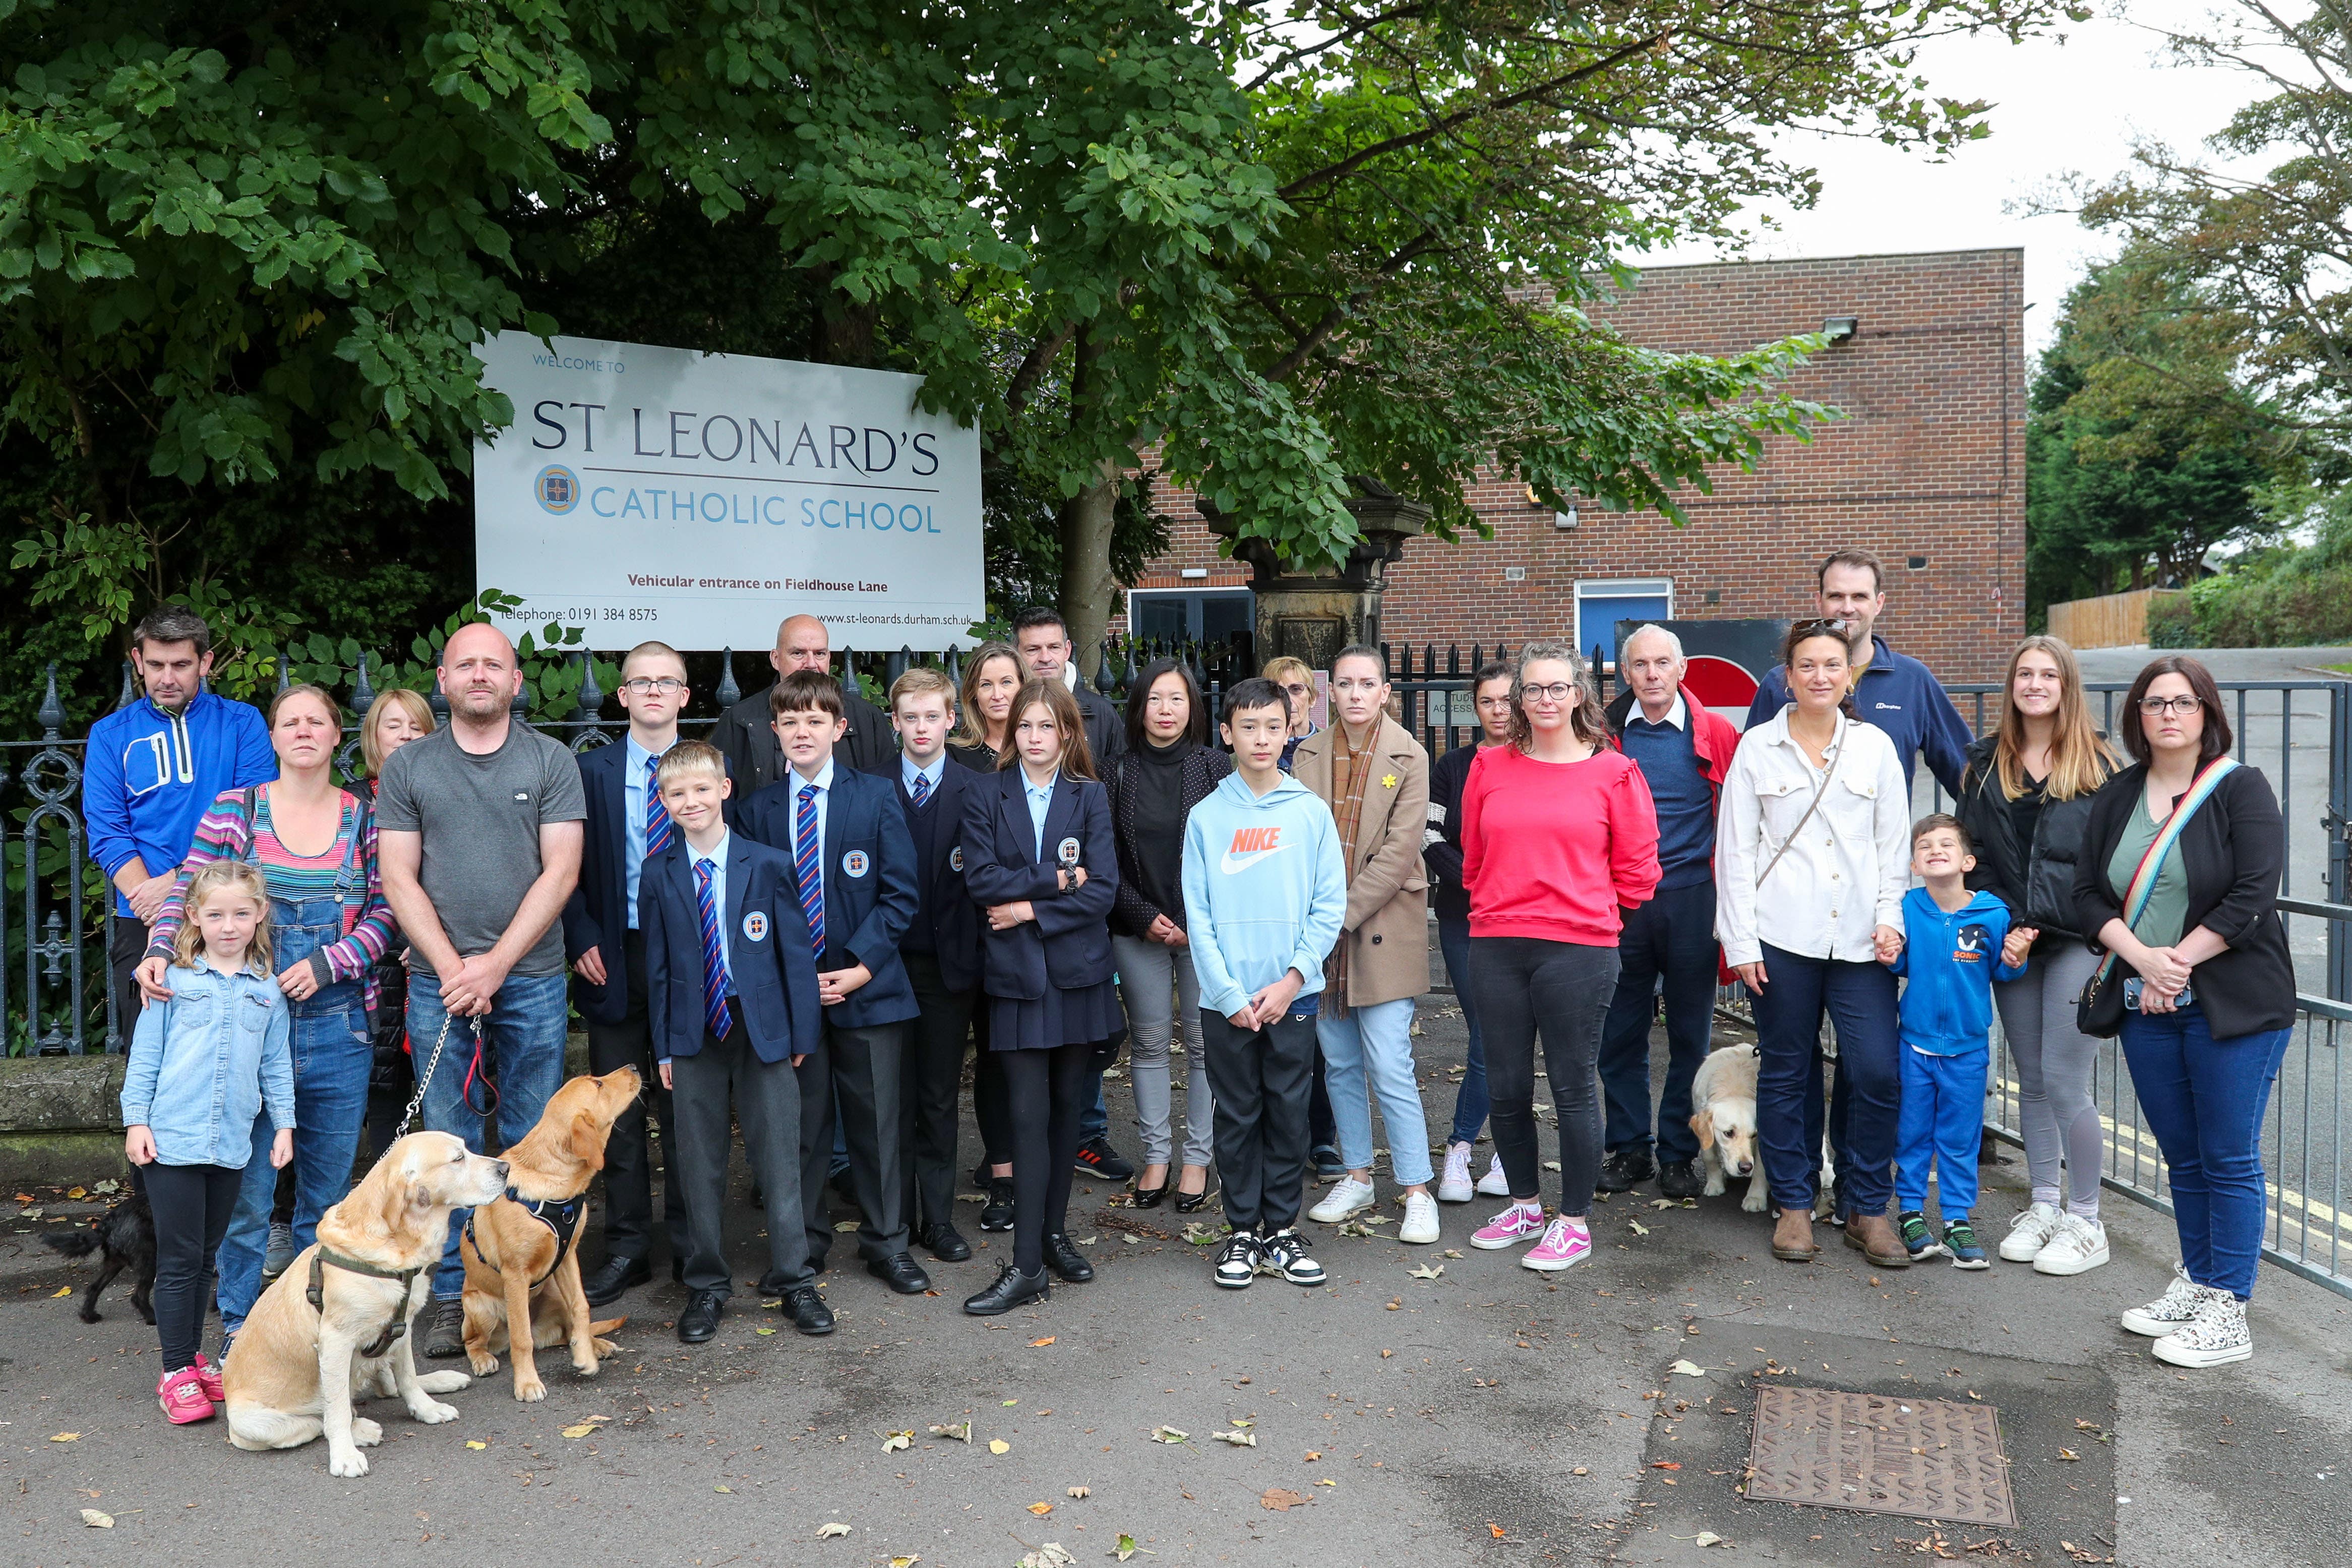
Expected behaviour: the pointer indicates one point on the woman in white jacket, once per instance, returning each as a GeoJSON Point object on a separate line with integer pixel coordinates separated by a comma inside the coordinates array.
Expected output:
{"type": "Point", "coordinates": [1813, 847]}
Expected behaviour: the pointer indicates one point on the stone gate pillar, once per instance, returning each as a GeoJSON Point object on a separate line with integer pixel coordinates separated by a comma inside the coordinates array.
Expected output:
{"type": "Point", "coordinates": [1312, 610]}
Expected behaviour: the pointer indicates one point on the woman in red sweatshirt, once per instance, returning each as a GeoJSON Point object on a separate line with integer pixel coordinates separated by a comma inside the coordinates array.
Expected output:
{"type": "Point", "coordinates": [1557, 835]}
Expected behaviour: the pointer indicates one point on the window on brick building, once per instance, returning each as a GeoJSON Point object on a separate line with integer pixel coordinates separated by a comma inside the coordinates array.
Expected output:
{"type": "Point", "coordinates": [1602, 603]}
{"type": "Point", "coordinates": [1177, 615]}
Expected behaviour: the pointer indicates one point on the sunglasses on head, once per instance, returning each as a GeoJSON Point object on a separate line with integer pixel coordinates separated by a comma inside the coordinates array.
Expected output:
{"type": "Point", "coordinates": [1824, 627]}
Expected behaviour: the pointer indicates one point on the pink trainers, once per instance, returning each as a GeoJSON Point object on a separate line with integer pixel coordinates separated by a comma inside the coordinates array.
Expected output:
{"type": "Point", "coordinates": [182, 1395]}
{"type": "Point", "coordinates": [1513, 1225]}
{"type": "Point", "coordinates": [209, 1374]}
{"type": "Point", "coordinates": [1562, 1245]}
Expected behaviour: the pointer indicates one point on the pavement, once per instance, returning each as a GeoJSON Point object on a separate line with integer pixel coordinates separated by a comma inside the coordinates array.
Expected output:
{"type": "Point", "coordinates": [1488, 1416]}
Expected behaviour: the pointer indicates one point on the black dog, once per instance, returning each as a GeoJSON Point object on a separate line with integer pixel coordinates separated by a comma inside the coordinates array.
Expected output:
{"type": "Point", "coordinates": [127, 1233]}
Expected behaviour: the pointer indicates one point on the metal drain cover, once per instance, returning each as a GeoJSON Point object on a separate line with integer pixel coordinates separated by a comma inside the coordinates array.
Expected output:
{"type": "Point", "coordinates": [1924, 1458]}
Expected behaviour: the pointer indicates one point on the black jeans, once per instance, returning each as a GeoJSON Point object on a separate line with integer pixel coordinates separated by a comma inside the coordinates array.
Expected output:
{"type": "Point", "coordinates": [628, 1153]}
{"type": "Point", "coordinates": [191, 1205]}
{"type": "Point", "coordinates": [934, 1079]}
{"type": "Point", "coordinates": [1562, 989]}
{"type": "Point", "coordinates": [1050, 1093]}
{"type": "Point", "coordinates": [1260, 1079]}
{"type": "Point", "coordinates": [1671, 937]}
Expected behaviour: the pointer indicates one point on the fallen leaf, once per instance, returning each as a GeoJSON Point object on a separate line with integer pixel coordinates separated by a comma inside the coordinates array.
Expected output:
{"type": "Point", "coordinates": [1688, 1369]}
{"type": "Point", "coordinates": [1049, 1555]}
{"type": "Point", "coordinates": [1378, 1218]}
{"type": "Point", "coordinates": [1011, 1403]}
{"type": "Point", "coordinates": [894, 1441]}
{"type": "Point", "coordinates": [28, 1214]}
{"type": "Point", "coordinates": [961, 1431]}
{"type": "Point", "coordinates": [722, 1488]}
{"type": "Point", "coordinates": [1396, 1304]}
{"type": "Point", "coordinates": [67, 1438]}
{"type": "Point", "coordinates": [475, 1443]}
{"type": "Point", "coordinates": [1496, 1530]}
{"type": "Point", "coordinates": [1579, 1471]}
{"type": "Point", "coordinates": [2068, 1455]}
{"type": "Point", "coordinates": [1386, 1355]}
{"type": "Point", "coordinates": [972, 1197]}
{"type": "Point", "coordinates": [1200, 1235]}
{"type": "Point", "coordinates": [1086, 1240]}
{"type": "Point", "coordinates": [105, 1187]}
{"type": "Point", "coordinates": [999, 1445]}
{"type": "Point", "coordinates": [1041, 1508]}
{"type": "Point", "coordinates": [1664, 1465]}
{"type": "Point", "coordinates": [1238, 1439]}
{"type": "Point", "coordinates": [830, 1528]}
{"type": "Point", "coordinates": [1081, 1491]}
{"type": "Point", "coordinates": [1280, 1500]}
{"type": "Point", "coordinates": [1124, 1550]}
{"type": "Point", "coordinates": [1708, 1538]}
{"type": "Point", "coordinates": [907, 1562]}
{"type": "Point", "coordinates": [763, 1330]}
{"type": "Point", "coordinates": [1662, 1203]}
{"type": "Point", "coordinates": [1551, 1164]}
{"type": "Point", "coordinates": [1423, 1271]}
{"type": "Point", "coordinates": [1327, 1483]}
{"type": "Point", "coordinates": [97, 1521]}
{"type": "Point", "coordinates": [76, 1192]}
{"type": "Point", "coordinates": [61, 1290]}
{"type": "Point", "coordinates": [1451, 1252]}
{"type": "Point", "coordinates": [1168, 1434]}
{"type": "Point", "coordinates": [1639, 1228]}
{"type": "Point", "coordinates": [583, 1429]}
{"type": "Point", "coordinates": [1040, 1344]}
{"type": "Point", "coordinates": [1132, 1240]}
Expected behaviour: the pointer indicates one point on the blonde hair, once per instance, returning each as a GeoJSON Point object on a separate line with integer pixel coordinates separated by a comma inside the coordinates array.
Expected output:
{"type": "Point", "coordinates": [1587, 721]}
{"type": "Point", "coordinates": [420, 713]}
{"type": "Point", "coordinates": [651, 649]}
{"type": "Point", "coordinates": [971, 728]}
{"type": "Point", "coordinates": [690, 757]}
{"type": "Point", "coordinates": [922, 681]}
{"type": "Point", "coordinates": [2080, 761]}
{"type": "Point", "coordinates": [1078, 759]}
{"type": "Point", "coordinates": [210, 878]}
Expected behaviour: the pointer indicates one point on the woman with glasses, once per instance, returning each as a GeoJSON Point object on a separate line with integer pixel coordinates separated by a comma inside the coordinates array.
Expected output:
{"type": "Point", "coordinates": [1490, 691]}
{"type": "Point", "coordinates": [1812, 856]}
{"type": "Point", "coordinates": [1297, 683]}
{"type": "Point", "coordinates": [2025, 799]}
{"type": "Point", "coordinates": [2177, 886]}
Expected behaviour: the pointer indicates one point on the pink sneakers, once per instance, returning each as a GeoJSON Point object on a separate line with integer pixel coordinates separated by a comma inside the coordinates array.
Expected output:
{"type": "Point", "coordinates": [209, 1374]}
{"type": "Point", "coordinates": [182, 1395]}
{"type": "Point", "coordinates": [1513, 1225]}
{"type": "Point", "coordinates": [1562, 1245]}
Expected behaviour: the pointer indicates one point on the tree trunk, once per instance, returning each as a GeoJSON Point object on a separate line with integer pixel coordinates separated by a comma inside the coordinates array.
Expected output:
{"type": "Point", "coordinates": [1088, 590]}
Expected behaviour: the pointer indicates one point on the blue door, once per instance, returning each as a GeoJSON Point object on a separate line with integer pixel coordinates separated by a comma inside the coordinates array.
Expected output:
{"type": "Point", "coordinates": [1601, 605]}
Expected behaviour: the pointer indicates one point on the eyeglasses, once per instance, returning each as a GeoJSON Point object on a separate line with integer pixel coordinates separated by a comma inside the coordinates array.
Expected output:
{"type": "Point", "coordinates": [2157, 706]}
{"type": "Point", "coordinates": [1557, 691]}
{"type": "Point", "coordinates": [668, 686]}
{"type": "Point", "coordinates": [1295, 689]}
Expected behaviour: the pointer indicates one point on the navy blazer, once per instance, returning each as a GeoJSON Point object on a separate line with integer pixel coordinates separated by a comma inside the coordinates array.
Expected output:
{"type": "Point", "coordinates": [865, 912]}
{"type": "Point", "coordinates": [767, 952]}
{"type": "Point", "coordinates": [1067, 946]}
{"type": "Point", "coordinates": [949, 920]}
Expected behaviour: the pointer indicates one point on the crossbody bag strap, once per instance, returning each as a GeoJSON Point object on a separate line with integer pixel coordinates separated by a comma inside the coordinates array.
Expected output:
{"type": "Point", "coordinates": [1828, 774]}
{"type": "Point", "coordinates": [2142, 890]}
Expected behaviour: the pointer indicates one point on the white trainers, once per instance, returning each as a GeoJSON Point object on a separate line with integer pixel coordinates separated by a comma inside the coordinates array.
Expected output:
{"type": "Point", "coordinates": [2080, 1246]}
{"type": "Point", "coordinates": [1420, 1219]}
{"type": "Point", "coordinates": [2173, 1310]}
{"type": "Point", "coordinates": [1494, 1184]}
{"type": "Point", "coordinates": [1346, 1201]}
{"type": "Point", "coordinates": [2030, 1232]}
{"type": "Point", "coordinates": [2218, 1334]}
{"type": "Point", "coordinates": [1453, 1182]}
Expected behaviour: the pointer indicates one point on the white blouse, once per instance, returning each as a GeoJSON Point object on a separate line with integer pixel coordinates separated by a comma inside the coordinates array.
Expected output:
{"type": "Point", "coordinates": [1843, 876]}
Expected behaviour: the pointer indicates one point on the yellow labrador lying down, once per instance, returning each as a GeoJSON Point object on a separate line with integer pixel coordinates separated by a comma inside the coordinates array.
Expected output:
{"type": "Point", "coordinates": [334, 1326]}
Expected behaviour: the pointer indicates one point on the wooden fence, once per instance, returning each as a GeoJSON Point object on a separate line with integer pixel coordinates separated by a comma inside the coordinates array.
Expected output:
{"type": "Point", "coordinates": [2111, 620]}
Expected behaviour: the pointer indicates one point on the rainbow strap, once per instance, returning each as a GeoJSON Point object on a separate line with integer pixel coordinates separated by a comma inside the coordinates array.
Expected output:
{"type": "Point", "coordinates": [2151, 862]}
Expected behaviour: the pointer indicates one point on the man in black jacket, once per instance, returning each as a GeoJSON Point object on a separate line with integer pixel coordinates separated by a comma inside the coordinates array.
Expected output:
{"type": "Point", "coordinates": [746, 735]}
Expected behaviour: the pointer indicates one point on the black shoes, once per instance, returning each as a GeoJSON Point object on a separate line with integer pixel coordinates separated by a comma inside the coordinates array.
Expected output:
{"type": "Point", "coordinates": [1151, 1198]}
{"type": "Point", "coordinates": [1192, 1202]}
{"type": "Point", "coordinates": [446, 1337]}
{"type": "Point", "coordinates": [1066, 1260]}
{"type": "Point", "coordinates": [901, 1273]}
{"type": "Point", "coordinates": [1681, 1179]}
{"type": "Point", "coordinates": [1013, 1289]}
{"type": "Point", "coordinates": [1325, 1158]}
{"type": "Point", "coordinates": [613, 1277]}
{"type": "Point", "coordinates": [1098, 1158]}
{"type": "Point", "coordinates": [946, 1243]}
{"type": "Point", "coordinates": [810, 1315]}
{"type": "Point", "coordinates": [699, 1322]}
{"type": "Point", "coordinates": [998, 1214]}
{"type": "Point", "coordinates": [1626, 1169]}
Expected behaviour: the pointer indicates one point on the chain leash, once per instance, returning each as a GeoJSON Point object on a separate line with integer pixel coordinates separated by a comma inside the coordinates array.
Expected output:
{"type": "Point", "coordinates": [426, 1077]}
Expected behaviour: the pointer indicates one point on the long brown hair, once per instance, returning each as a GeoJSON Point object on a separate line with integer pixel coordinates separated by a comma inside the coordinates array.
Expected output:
{"type": "Point", "coordinates": [1077, 758]}
{"type": "Point", "coordinates": [209, 879]}
{"type": "Point", "coordinates": [1587, 721]}
{"type": "Point", "coordinates": [2080, 761]}
{"type": "Point", "coordinates": [971, 729]}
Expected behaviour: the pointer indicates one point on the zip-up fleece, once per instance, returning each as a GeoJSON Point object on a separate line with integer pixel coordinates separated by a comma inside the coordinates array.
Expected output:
{"type": "Point", "coordinates": [148, 776]}
{"type": "Point", "coordinates": [1264, 889]}
{"type": "Point", "coordinates": [1952, 960]}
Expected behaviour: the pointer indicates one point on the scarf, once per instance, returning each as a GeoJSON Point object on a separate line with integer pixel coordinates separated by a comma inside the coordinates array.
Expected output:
{"type": "Point", "coordinates": [1349, 770]}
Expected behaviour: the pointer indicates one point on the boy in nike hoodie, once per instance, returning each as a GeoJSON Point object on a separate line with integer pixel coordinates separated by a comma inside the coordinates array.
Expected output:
{"type": "Point", "coordinates": [1956, 944]}
{"type": "Point", "coordinates": [1265, 893]}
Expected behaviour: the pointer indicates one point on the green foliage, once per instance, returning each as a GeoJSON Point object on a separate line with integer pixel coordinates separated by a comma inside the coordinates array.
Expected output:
{"type": "Point", "coordinates": [2299, 598]}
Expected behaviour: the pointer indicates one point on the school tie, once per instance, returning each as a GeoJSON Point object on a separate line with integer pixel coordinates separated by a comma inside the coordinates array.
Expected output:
{"type": "Point", "coordinates": [657, 824]}
{"type": "Point", "coordinates": [714, 961]}
{"type": "Point", "coordinates": [808, 864]}
{"type": "Point", "coordinates": [922, 791]}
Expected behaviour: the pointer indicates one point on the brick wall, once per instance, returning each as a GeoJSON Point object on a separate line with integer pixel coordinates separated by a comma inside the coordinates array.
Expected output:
{"type": "Point", "coordinates": [1928, 465]}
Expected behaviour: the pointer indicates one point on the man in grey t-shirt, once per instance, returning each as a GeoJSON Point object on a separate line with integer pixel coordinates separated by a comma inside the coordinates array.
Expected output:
{"type": "Point", "coordinates": [478, 833]}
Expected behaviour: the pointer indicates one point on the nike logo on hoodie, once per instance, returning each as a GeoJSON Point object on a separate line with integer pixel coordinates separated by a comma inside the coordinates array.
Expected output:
{"type": "Point", "coordinates": [1250, 845]}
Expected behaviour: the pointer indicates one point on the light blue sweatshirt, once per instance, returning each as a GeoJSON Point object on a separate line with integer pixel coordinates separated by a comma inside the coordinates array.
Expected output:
{"type": "Point", "coordinates": [1264, 890]}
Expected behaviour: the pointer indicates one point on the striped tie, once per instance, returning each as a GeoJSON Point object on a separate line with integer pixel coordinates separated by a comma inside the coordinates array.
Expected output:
{"type": "Point", "coordinates": [657, 825]}
{"type": "Point", "coordinates": [922, 790]}
{"type": "Point", "coordinates": [714, 960]}
{"type": "Point", "coordinates": [807, 863]}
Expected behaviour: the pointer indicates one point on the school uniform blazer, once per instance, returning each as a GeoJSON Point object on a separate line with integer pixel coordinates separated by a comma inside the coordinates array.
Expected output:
{"type": "Point", "coordinates": [870, 889]}
{"type": "Point", "coordinates": [773, 971]}
{"type": "Point", "coordinates": [1067, 946]}
{"type": "Point", "coordinates": [949, 919]}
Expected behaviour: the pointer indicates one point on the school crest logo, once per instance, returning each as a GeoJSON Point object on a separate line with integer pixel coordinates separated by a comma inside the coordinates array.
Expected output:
{"type": "Point", "coordinates": [755, 926]}
{"type": "Point", "coordinates": [955, 859]}
{"type": "Point", "coordinates": [1067, 852]}
{"type": "Point", "coordinates": [856, 864]}
{"type": "Point", "coordinates": [557, 488]}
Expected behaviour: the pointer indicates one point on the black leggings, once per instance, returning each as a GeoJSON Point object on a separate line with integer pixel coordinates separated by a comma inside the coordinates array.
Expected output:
{"type": "Point", "coordinates": [1524, 985]}
{"type": "Point", "coordinates": [191, 1205]}
{"type": "Point", "coordinates": [1049, 1091]}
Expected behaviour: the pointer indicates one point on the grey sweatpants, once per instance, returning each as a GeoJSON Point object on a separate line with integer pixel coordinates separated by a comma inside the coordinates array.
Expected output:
{"type": "Point", "coordinates": [2054, 1059]}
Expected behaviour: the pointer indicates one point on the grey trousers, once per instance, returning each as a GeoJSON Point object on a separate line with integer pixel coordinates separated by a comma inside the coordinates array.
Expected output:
{"type": "Point", "coordinates": [767, 1096]}
{"type": "Point", "coordinates": [2055, 1110]}
{"type": "Point", "coordinates": [1162, 996]}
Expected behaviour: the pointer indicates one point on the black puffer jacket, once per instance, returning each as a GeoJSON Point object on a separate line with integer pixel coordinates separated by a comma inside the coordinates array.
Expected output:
{"type": "Point", "coordinates": [2035, 880]}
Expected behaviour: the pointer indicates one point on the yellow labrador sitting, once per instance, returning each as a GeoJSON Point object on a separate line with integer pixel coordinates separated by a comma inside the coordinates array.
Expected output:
{"type": "Point", "coordinates": [334, 1326]}
{"type": "Point", "coordinates": [1725, 1093]}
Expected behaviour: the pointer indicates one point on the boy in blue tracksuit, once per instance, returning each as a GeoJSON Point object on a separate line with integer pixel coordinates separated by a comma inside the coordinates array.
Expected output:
{"type": "Point", "coordinates": [1956, 944]}
{"type": "Point", "coordinates": [1265, 893]}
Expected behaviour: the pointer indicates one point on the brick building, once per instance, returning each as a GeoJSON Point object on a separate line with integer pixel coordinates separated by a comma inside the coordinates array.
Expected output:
{"type": "Point", "coordinates": [1927, 471]}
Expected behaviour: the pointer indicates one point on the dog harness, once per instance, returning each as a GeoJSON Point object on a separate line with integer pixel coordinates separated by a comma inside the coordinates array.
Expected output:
{"type": "Point", "coordinates": [560, 1216]}
{"type": "Point", "coordinates": [317, 1293]}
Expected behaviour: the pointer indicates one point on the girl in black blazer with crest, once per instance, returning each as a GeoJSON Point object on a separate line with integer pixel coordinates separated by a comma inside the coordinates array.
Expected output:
{"type": "Point", "coordinates": [1040, 859]}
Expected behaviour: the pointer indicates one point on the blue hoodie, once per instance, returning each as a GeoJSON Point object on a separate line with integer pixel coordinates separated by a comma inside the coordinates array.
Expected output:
{"type": "Point", "coordinates": [148, 776]}
{"type": "Point", "coordinates": [1952, 960]}
{"type": "Point", "coordinates": [1898, 695]}
{"type": "Point", "coordinates": [1264, 890]}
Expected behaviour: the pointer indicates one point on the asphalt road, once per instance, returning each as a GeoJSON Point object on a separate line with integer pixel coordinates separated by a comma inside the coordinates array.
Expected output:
{"type": "Point", "coordinates": [1488, 1417]}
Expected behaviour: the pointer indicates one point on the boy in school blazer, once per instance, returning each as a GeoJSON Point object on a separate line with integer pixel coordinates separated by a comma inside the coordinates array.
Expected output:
{"type": "Point", "coordinates": [736, 1012]}
{"type": "Point", "coordinates": [854, 866]}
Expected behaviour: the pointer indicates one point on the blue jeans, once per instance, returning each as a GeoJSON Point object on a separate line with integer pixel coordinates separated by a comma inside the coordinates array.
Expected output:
{"type": "Point", "coordinates": [1369, 1053]}
{"type": "Point", "coordinates": [1470, 1102]}
{"type": "Point", "coordinates": [1672, 937]}
{"type": "Point", "coordinates": [2204, 1099]}
{"type": "Point", "coordinates": [1940, 1128]}
{"type": "Point", "coordinates": [525, 1032]}
{"type": "Point", "coordinates": [1860, 1000]}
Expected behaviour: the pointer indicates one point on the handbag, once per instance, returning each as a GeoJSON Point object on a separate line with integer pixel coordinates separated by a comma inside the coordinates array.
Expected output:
{"type": "Point", "coordinates": [2099, 1010]}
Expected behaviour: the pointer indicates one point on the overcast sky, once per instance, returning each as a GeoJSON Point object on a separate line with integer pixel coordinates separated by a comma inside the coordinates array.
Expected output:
{"type": "Point", "coordinates": [2063, 105]}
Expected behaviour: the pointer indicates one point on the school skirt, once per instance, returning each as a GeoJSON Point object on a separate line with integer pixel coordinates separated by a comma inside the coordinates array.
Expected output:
{"type": "Point", "coordinates": [1086, 1015]}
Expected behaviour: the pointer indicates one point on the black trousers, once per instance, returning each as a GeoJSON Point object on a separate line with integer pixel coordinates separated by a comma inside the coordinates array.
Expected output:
{"type": "Point", "coordinates": [1051, 1091]}
{"type": "Point", "coordinates": [1322, 1128]}
{"type": "Point", "coordinates": [864, 1069]}
{"type": "Point", "coordinates": [191, 1204]}
{"type": "Point", "coordinates": [1261, 1079]}
{"type": "Point", "coordinates": [628, 1158]}
{"type": "Point", "coordinates": [1562, 989]}
{"type": "Point", "coordinates": [1672, 938]}
{"type": "Point", "coordinates": [991, 1102]}
{"type": "Point", "coordinates": [767, 1102]}
{"type": "Point", "coordinates": [934, 1082]}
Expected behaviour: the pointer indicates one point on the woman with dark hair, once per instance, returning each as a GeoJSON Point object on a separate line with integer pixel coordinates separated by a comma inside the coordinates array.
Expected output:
{"type": "Point", "coordinates": [2025, 799]}
{"type": "Point", "coordinates": [1167, 769]}
{"type": "Point", "coordinates": [1812, 855]}
{"type": "Point", "coordinates": [2177, 887]}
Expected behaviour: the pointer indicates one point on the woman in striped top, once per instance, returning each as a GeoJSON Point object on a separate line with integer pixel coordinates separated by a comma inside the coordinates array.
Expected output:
{"type": "Point", "coordinates": [314, 844]}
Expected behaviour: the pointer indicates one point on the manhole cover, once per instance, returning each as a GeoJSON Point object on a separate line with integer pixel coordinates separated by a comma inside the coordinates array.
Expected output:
{"type": "Point", "coordinates": [1925, 1459]}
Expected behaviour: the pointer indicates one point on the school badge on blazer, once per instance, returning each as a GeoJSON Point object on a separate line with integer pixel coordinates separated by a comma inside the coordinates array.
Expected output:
{"type": "Point", "coordinates": [955, 859]}
{"type": "Point", "coordinates": [1067, 852]}
{"type": "Point", "coordinates": [856, 864]}
{"type": "Point", "coordinates": [755, 926]}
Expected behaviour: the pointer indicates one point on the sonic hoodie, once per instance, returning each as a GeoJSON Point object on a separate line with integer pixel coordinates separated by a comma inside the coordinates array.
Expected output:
{"type": "Point", "coordinates": [1952, 960]}
{"type": "Point", "coordinates": [1264, 890]}
{"type": "Point", "coordinates": [148, 776]}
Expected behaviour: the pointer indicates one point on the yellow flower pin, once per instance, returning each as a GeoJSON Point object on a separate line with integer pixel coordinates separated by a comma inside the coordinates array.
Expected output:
{"type": "Point", "coordinates": [1388, 781]}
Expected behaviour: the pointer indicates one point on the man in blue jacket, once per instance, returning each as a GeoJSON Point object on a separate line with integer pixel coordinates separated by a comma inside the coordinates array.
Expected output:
{"type": "Point", "coordinates": [151, 770]}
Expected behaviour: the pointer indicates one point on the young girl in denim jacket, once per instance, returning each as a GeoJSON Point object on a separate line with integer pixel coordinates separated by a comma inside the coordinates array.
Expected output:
{"type": "Point", "coordinates": [202, 1065]}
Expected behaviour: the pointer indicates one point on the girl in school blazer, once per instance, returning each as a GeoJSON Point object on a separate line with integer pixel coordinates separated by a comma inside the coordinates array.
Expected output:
{"type": "Point", "coordinates": [1041, 861]}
